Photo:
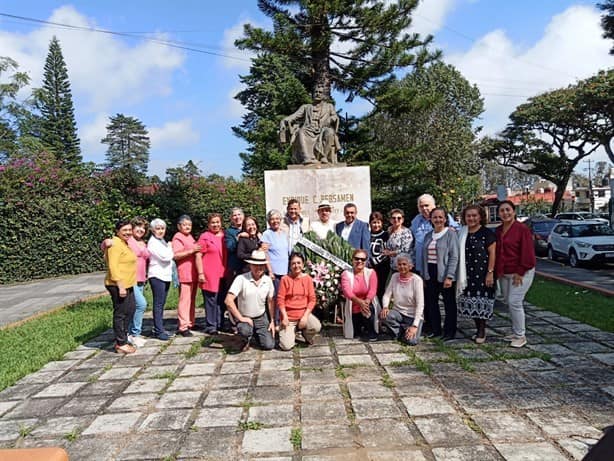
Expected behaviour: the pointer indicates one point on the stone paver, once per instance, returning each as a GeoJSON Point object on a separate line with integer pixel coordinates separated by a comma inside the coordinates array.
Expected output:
{"type": "Point", "coordinates": [340, 400]}
{"type": "Point", "coordinates": [530, 452]}
{"type": "Point", "coordinates": [272, 440]}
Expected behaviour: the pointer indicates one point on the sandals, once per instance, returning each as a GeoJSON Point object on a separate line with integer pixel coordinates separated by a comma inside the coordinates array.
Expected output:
{"type": "Point", "coordinates": [479, 340]}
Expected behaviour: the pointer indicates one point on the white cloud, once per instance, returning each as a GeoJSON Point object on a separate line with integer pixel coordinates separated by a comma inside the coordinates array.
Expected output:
{"type": "Point", "coordinates": [91, 134]}
{"type": "Point", "coordinates": [234, 108]}
{"type": "Point", "coordinates": [238, 59]}
{"type": "Point", "coordinates": [570, 49]}
{"type": "Point", "coordinates": [103, 69]}
{"type": "Point", "coordinates": [177, 133]}
{"type": "Point", "coordinates": [430, 15]}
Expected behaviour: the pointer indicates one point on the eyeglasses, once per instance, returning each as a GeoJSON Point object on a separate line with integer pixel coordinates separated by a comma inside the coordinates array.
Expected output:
{"type": "Point", "coordinates": [397, 218]}
{"type": "Point", "coordinates": [360, 259]}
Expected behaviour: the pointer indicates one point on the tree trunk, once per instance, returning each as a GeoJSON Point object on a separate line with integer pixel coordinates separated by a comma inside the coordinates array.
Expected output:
{"type": "Point", "coordinates": [608, 150]}
{"type": "Point", "coordinates": [320, 47]}
{"type": "Point", "coordinates": [558, 195]}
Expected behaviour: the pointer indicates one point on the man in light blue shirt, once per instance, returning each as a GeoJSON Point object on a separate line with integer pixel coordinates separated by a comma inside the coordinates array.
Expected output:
{"type": "Point", "coordinates": [421, 225]}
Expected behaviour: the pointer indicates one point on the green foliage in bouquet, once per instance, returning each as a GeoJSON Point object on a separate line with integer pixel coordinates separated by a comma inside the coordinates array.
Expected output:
{"type": "Point", "coordinates": [326, 274]}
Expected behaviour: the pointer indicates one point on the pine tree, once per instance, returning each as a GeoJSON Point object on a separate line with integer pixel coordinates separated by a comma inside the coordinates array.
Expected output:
{"type": "Point", "coordinates": [59, 128]}
{"type": "Point", "coordinates": [353, 46]}
{"type": "Point", "coordinates": [128, 149]}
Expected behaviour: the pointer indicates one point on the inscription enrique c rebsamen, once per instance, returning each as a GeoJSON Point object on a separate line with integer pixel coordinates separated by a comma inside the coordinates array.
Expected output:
{"type": "Point", "coordinates": [315, 199]}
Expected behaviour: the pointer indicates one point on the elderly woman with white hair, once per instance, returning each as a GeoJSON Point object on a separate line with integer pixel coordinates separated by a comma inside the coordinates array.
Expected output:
{"type": "Point", "coordinates": [405, 292]}
{"type": "Point", "coordinates": [160, 274]}
{"type": "Point", "coordinates": [278, 252]}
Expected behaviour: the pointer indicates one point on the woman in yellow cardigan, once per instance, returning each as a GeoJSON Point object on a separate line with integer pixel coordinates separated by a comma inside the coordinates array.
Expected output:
{"type": "Point", "coordinates": [120, 282]}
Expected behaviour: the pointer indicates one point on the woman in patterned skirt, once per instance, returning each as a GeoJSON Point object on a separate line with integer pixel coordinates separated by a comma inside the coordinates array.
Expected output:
{"type": "Point", "coordinates": [475, 280]}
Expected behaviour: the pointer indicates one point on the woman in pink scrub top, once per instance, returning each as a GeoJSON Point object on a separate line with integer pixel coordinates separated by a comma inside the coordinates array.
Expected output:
{"type": "Point", "coordinates": [189, 271]}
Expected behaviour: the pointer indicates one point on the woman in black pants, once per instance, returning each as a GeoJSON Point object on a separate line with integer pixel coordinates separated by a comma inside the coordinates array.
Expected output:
{"type": "Point", "coordinates": [120, 282]}
{"type": "Point", "coordinates": [440, 260]}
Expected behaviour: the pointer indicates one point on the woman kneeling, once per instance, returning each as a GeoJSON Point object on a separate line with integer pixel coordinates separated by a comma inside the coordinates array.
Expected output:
{"type": "Point", "coordinates": [295, 300]}
{"type": "Point", "coordinates": [404, 319]}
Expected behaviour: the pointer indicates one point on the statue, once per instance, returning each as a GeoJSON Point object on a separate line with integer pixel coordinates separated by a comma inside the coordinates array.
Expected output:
{"type": "Point", "coordinates": [315, 139]}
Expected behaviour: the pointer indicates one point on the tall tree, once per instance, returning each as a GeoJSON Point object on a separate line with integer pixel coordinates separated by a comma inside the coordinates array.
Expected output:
{"type": "Point", "coordinates": [550, 134]}
{"type": "Point", "coordinates": [274, 86]}
{"type": "Point", "coordinates": [594, 107]}
{"type": "Point", "coordinates": [59, 128]}
{"type": "Point", "coordinates": [9, 105]}
{"type": "Point", "coordinates": [427, 119]}
{"type": "Point", "coordinates": [128, 147]}
{"type": "Point", "coordinates": [607, 20]}
{"type": "Point", "coordinates": [351, 46]}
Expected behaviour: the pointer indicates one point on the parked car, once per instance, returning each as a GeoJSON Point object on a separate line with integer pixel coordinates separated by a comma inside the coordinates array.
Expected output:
{"type": "Point", "coordinates": [580, 216]}
{"type": "Point", "coordinates": [541, 227]}
{"type": "Point", "coordinates": [582, 241]}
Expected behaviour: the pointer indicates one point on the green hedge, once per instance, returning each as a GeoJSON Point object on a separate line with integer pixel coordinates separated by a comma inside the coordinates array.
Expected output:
{"type": "Point", "coordinates": [52, 220]}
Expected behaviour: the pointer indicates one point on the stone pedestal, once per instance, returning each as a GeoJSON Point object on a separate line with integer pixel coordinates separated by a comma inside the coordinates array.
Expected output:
{"type": "Point", "coordinates": [311, 185]}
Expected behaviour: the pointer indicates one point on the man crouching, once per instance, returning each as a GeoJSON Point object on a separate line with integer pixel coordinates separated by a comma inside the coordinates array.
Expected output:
{"type": "Point", "coordinates": [255, 292]}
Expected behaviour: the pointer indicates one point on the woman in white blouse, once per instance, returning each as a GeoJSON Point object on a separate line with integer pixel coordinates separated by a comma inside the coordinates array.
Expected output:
{"type": "Point", "coordinates": [160, 274]}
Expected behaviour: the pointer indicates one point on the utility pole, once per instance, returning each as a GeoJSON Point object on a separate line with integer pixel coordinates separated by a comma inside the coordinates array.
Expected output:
{"type": "Point", "coordinates": [591, 198]}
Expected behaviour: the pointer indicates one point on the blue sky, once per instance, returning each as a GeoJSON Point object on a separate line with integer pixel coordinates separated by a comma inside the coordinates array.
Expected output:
{"type": "Point", "coordinates": [511, 50]}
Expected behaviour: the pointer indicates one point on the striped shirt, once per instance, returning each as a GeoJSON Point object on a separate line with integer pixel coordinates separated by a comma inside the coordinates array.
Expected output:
{"type": "Point", "coordinates": [431, 252]}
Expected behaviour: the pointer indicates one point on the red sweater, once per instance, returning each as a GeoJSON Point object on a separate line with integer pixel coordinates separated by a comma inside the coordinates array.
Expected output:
{"type": "Point", "coordinates": [295, 296]}
{"type": "Point", "coordinates": [515, 250]}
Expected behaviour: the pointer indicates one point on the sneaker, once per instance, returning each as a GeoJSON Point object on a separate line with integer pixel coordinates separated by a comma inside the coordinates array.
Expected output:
{"type": "Point", "coordinates": [510, 338]}
{"type": "Point", "coordinates": [131, 339]}
{"type": "Point", "coordinates": [138, 341]}
{"type": "Point", "coordinates": [519, 341]}
{"type": "Point", "coordinates": [125, 349]}
{"type": "Point", "coordinates": [185, 333]}
{"type": "Point", "coordinates": [164, 336]}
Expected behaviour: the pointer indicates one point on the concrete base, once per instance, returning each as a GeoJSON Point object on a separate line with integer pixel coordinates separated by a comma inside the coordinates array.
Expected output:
{"type": "Point", "coordinates": [311, 184]}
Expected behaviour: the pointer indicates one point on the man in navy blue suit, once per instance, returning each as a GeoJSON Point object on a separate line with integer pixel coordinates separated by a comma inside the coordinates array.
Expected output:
{"type": "Point", "coordinates": [352, 230]}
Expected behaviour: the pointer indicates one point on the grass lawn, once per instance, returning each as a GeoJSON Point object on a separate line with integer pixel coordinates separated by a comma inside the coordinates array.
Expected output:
{"type": "Point", "coordinates": [577, 303]}
{"type": "Point", "coordinates": [29, 346]}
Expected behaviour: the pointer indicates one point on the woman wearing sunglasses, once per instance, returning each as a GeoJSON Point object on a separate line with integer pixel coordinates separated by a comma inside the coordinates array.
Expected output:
{"type": "Point", "coordinates": [359, 286]}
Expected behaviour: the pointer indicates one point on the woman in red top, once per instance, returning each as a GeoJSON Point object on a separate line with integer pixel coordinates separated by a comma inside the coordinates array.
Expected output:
{"type": "Point", "coordinates": [213, 252]}
{"type": "Point", "coordinates": [515, 267]}
{"type": "Point", "coordinates": [359, 287]}
{"type": "Point", "coordinates": [296, 299]}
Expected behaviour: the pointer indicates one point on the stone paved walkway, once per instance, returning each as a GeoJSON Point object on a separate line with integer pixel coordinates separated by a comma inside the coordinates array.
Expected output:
{"type": "Point", "coordinates": [338, 400]}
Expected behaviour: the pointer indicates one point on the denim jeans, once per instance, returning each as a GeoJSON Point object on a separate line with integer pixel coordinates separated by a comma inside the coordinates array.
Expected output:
{"type": "Point", "coordinates": [160, 291]}
{"type": "Point", "coordinates": [260, 329]}
{"type": "Point", "coordinates": [141, 303]}
{"type": "Point", "coordinates": [213, 312]}
{"type": "Point", "coordinates": [398, 325]}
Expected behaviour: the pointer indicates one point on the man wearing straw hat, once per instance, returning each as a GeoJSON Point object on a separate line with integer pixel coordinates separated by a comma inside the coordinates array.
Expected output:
{"type": "Point", "coordinates": [255, 293]}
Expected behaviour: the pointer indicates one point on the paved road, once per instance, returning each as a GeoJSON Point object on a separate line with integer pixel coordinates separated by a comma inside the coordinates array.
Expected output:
{"type": "Point", "coordinates": [21, 301]}
{"type": "Point", "coordinates": [598, 278]}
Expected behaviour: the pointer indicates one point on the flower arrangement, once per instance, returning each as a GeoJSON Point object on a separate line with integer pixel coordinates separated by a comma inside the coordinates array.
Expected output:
{"type": "Point", "coordinates": [327, 282]}
{"type": "Point", "coordinates": [325, 273]}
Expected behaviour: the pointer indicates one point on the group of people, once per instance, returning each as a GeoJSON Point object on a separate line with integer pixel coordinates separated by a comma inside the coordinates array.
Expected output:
{"type": "Point", "coordinates": [393, 288]}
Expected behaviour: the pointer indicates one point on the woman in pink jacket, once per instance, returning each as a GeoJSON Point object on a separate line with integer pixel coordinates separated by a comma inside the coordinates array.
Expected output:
{"type": "Point", "coordinates": [189, 271]}
{"type": "Point", "coordinates": [213, 252]}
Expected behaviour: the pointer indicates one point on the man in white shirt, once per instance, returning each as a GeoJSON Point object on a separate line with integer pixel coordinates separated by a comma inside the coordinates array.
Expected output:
{"type": "Point", "coordinates": [324, 225]}
{"type": "Point", "coordinates": [255, 293]}
{"type": "Point", "coordinates": [294, 224]}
